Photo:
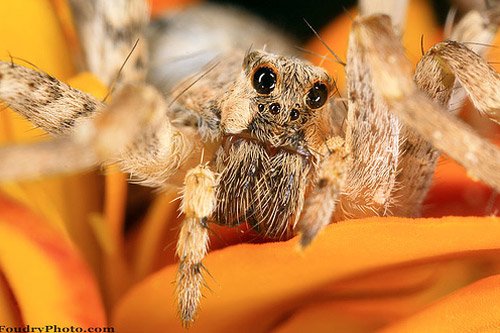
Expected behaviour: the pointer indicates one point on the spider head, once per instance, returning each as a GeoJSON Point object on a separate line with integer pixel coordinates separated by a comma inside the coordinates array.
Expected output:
{"type": "Point", "coordinates": [277, 101]}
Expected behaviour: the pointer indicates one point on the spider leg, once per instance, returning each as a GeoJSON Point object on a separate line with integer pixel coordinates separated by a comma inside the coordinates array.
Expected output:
{"type": "Point", "coordinates": [45, 158]}
{"type": "Point", "coordinates": [476, 76]}
{"type": "Point", "coordinates": [108, 30]}
{"type": "Point", "coordinates": [392, 165]}
{"type": "Point", "coordinates": [134, 131]}
{"type": "Point", "coordinates": [320, 203]}
{"type": "Point", "coordinates": [448, 134]}
{"type": "Point", "coordinates": [396, 9]}
{"type": "Point", "coordinates": [45, 101]}
{"type": "Point", "coordinates": [436, 76]}
{"type": "Point", "coordinates": [372, 137]}
{"type": "Point", "coordinates": [477, 30]}
{"type": "Point", "coordinates": [104, 137]}
{"type": "Point", "coordinates": [198, 203]}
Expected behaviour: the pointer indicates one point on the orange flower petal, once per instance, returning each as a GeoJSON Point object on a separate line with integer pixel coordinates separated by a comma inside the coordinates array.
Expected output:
{"type": "Point", "coordinates": [336, 36]}
{"type": "Point", "coordinates": [421, 22]}
{"type": "Point", "coordinates": [475, 308]}
{"type": "Point", "coordinates": [267, 281]}
{"type": "Point", "coordinates": [83, 192]}
{"type": "Point", "coordinates": [68, 202]}
{"type": "Point", "coordinates": [116, 274]}
{"type": "Point", "coordinates": [50, 281]}
{"type": "Point", "coordinates": [154, 236]}
{"type": "Point", "coordinates": [371, 301]}
{"type": "Point", "coordinates": [454, 193]}
{"type": "Point", "coordinates": [159, 6]}
{"type": "Point", "coordinates": [64, 202]}
{"type": "Point", "coordinates": [9, 313]}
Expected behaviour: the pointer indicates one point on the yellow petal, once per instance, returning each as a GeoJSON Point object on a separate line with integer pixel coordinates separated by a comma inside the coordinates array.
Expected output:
{"type": "Point", "coordinates": [30, 32]}
{"type": "Point", "coordinates": [88, 83]}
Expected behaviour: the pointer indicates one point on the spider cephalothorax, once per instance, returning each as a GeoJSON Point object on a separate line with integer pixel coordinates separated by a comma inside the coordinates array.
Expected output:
{"type": "Point", "coordinates": [267, 160]}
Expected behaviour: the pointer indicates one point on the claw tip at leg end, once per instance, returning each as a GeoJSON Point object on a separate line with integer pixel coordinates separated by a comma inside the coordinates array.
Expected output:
{"type": "Point", "coordinates": [305, 240]}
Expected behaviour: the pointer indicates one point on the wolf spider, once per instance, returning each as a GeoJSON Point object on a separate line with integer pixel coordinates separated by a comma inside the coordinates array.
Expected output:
{"type": "Point", "coordinates": [281, 152]}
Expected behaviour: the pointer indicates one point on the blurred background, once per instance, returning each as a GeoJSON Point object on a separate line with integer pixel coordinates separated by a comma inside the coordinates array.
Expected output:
{"type": "Point", "coordinates": [289, 15]}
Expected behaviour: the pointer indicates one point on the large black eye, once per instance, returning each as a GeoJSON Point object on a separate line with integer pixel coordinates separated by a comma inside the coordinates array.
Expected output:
{"type": "Point", "coordinates": [264, 80]}
{"type": "Point", "coordinates": [317, 95]}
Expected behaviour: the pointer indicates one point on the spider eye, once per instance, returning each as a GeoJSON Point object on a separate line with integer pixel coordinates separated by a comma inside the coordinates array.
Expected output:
{"type": "Point", "coordinates": [317, 96]}
{"type": "Point", "coordinates": [264, 80]}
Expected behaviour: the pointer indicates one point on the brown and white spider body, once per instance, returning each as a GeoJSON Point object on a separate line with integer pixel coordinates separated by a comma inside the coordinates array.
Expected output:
{"type": "Point", "coordinates": [267, 125]}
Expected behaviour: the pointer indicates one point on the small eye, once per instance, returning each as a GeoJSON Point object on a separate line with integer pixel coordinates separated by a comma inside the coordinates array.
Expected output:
{"type": "Point", "coordinates": [294, 114]}
{"type": "Point", "coordinates": [317, 96]}
{"type": "Point", "coordinates": [264, 80]}
{"type": "Point", "coordinates": [275, 108]}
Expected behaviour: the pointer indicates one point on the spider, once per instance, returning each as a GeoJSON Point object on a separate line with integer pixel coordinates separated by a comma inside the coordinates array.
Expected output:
{"type": "Point", "coordinates": [252, 135]}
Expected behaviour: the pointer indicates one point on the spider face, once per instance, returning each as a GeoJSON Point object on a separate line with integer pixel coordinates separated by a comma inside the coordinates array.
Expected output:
{"type": "Point", "coordinates": [265, 166]}
{"type": "Point", "coordinates": [286, 96]}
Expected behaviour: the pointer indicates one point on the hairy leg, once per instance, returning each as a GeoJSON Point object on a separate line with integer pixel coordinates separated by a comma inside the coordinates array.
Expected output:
{"type": "Point", "coordinates": [115, 133]}
{"type": "Point", "coordinates": [373, 139]}
{"type": "Point", "coordinates": [45, 101]}
{"type": "Point", "coordinates": [322, 200]}
{"type": "Point", "coordinates": [446, 133]}
{"type": "Point", "coordinates": [435, 75]}
{"type": "Point", "coordinates": [198, 203]}
{"type": "Point", "coordinates": [108, 31]}
{"type": "Point", "coordinates": [477, 30]}
{"type": "Point", "coordinates": [379, 183]}
{"type": "Point", "coordinates": [134, 130]}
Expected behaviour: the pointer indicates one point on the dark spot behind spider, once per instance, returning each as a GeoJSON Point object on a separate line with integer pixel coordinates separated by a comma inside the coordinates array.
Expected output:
{"type": "Point", "coordinates": [288, 15]}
